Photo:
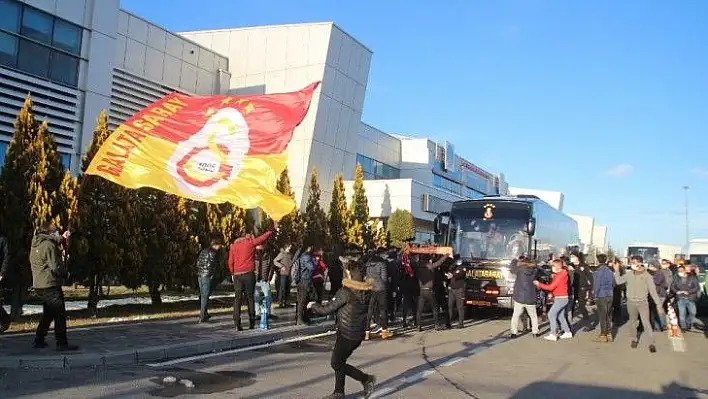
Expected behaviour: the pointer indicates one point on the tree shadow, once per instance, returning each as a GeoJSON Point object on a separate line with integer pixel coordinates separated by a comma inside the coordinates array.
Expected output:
{"type": "Point", "coordinates": [386, 207]}
{"type": "Point", "coordinates": [549, 389]}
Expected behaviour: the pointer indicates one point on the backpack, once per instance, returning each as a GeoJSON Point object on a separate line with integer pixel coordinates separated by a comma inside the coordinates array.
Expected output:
{"type": "Point", "coordinates": [295, 271]}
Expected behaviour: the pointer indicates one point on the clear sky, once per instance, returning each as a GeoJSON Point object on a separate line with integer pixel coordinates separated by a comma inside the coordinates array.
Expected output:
{"type": "Point", "coordinates": [605, 101]}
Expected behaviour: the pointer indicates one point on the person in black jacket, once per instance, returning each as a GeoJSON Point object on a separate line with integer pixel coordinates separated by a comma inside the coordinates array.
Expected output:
{"type": "Point", "coordinates": [206, 265]}
{"type": "Point", "coordinates": [525, 295]}
{"type": "Point", "coordinates": [377, 272]}
{"type": "Point", "coordinates": [4, 268]}
{"type": "Point", "coordinates": [582, 288]}
{"type": "Point", "coordinates": [425, 272]}
{"type": "Point", "coordinates": [456, 296]}
{"type": "Point", "coordinates": [351, 303]}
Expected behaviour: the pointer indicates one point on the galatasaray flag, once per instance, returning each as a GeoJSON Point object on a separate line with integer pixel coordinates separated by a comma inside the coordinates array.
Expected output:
{"type": "Point", "coordinates": [214, 149]}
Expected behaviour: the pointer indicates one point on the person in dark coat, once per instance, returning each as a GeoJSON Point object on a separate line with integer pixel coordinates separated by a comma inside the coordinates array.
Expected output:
{"type": "Point", "coordinates": [582, 288]}
{"type": "Point", "coordinates": [425, 270]}
{"type": "Point", "coordinates": [351, 303]}
{"type": "Point", "coordinates": [456, 296]}
{"type": "Point", "coordinates": [377, 273]}
{"type": "Point", "coordinates": [206, 265]}
{"type": "Point", "coordinates": [525, 295]}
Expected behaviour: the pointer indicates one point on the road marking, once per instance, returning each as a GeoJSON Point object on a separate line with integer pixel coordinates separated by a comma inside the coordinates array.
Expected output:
{"type": "Point", "coordinates": [452, 361]}
{"type": "Point", "coordinates": [240, 350]}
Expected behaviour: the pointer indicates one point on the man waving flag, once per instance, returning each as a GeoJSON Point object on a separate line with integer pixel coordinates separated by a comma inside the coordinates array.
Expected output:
{"type": "Point", "coordinates": [214, 149]}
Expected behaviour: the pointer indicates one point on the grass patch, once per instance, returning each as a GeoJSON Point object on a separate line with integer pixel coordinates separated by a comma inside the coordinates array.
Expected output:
{"type": "Point", "coordinates": [127, 313]}
{"type": "Point", "coordinates": [116, 292]}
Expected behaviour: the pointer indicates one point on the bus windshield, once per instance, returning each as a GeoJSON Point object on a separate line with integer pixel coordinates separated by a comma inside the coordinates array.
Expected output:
{"type": "Point", "coordinates": [502, 236]}
{"type": "Point", "coordinates": [647, 253]}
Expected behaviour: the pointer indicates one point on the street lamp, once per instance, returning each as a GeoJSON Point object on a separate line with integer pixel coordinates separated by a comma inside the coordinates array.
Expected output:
{"type": "Point", "coordinates": [685, 194]}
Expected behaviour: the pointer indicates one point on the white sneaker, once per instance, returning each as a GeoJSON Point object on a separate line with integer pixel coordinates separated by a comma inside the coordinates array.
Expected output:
{"type": "Point", "coordinates": [567, 335]}
{"type": "Point", "coordinates": [551, 337]}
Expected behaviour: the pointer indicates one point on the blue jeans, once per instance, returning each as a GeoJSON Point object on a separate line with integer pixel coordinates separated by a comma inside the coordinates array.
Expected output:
{"type": "Point", "coordinates": [204, 292]}
{"type": "Point", "coordinates": [557, 312]}
{"type": "Point", "coordinates": [659, 322]}
{"type": "Point", "coordinates": [687, 312]}
{"type": "Point", "coordinates": [263, 301]}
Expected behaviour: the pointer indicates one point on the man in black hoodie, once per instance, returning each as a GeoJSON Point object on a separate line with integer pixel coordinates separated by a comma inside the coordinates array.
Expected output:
{"type": "Point", "coordinates": [425, 270]}
{"type": "Point", "coordinates": [525, 295]}
{"type": "Point", "coordinates": [351, 303]}
{"type": "Point", "coordinates": [582, 288]}
{"type": "Point", "coordinates": [48, 274]}
{"type": "Point", "coordinates": [456, 296]}
{"type": "Point", "coordinates": [377, 273]}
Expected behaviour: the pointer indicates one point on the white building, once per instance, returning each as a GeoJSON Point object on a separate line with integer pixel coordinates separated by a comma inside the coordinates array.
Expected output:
{"type": "Point", "coordinates": [78, 57]}
{"type": "Point", "coordinates": [599, 238]}
{"type": "Point", "coordinates": [553, 198]}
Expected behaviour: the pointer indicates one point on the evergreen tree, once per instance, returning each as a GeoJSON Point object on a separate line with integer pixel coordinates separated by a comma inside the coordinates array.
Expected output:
{"type": "Point", "coordinates": [291, 226]}
{"type": "Point", "coordinates": [380, 236]}
{"type": "Point", "coordinates": [67, 200]}
{"type": "Point", "coordinates": [400, 227]}
{"type": "Point", "coordinates": [227, 222]}
{"type": "Point", "coordinates": [359, 230]}
{"type": "Point", "coordinates": [30, 180]}
{"type": "Point", "coordinates": [104, 230]}
{"type": "Point", "coordinates": [338, 213]}
{"type": "Point", "coordinates": [315, 218]}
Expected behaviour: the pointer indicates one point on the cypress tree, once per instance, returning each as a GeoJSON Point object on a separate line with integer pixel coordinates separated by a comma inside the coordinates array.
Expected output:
{"type": "Point", "coordinates": [359, 231]}
{"type": "Point", "coordinates": [315, 218]}
{"type": "Point", "coordinates": [400, 227]}
{"type": "Point", "coordinates": [338, 216]}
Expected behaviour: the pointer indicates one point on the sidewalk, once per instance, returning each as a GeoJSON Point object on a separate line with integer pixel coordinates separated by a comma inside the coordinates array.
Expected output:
{"type": "Point", "coordinates": [143, 342]}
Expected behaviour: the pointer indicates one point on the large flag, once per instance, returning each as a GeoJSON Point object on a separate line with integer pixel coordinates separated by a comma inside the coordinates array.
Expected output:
{"type": "Point", "coordinates": [214, 149]}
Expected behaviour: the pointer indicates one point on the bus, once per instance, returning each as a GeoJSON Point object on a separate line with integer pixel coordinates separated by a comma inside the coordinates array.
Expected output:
{"type": "Point", "coordinates": [489, 233]}
{"type": "Point", "coordinates": [653, 253]}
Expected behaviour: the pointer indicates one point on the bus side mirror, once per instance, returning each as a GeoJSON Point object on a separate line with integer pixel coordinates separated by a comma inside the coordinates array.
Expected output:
{"type": "Point", "coordinates": [531, 226]}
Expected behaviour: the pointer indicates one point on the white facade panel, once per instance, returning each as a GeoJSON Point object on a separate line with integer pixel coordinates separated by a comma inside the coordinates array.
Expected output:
{"type": "Point", "coordinates": [599, 237]}
{"type": "Point", "coordinates": [553, 198]}
{"type": "Point", "coordinates": [586, 226]}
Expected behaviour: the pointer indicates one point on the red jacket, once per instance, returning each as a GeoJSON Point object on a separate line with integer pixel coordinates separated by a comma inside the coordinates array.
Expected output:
{"type": "Point", "coordinates": [320, 268]}
{"type": "Point", "coordinates": [558, 286]}
{"type": "Point", "coordinates": [242, 253]}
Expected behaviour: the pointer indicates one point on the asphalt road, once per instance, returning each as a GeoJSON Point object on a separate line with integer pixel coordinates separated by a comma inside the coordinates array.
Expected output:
{"type": "Point", "coordinates": [476, 362]}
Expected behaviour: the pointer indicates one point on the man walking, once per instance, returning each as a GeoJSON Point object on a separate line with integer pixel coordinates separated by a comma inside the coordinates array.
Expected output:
{"type": "Point", "coordinates": [242, 265]}
{"type": "Point", "coordinates": [206, 265]}
{"type": "Point", "coordinates": [425, 272]}
{"type": "Point", "coordinates": [640, 286]}
{"type": "Point", "coordinates": [284, 262]}
{"type": "Point", "coordinates": [48, 274]}
{"type": "Point", "coordinates": [525, 295]}
{"type": "Point", "coordinates": [603, 289]}
{"type": "Point", "coordinates": [302, 276]}
{"type": "Point", "coordinates": [377, 273]}
{"type": "Point", "coordinates": [4, 269]}
{"type": "Point", "coordinates": [583, 282]}
{"type": "Point", "coordinates": [686, 288]}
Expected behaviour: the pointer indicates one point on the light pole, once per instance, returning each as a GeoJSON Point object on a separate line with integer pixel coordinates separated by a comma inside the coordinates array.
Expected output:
{"type": "Point", "coordinates": [685, 195]}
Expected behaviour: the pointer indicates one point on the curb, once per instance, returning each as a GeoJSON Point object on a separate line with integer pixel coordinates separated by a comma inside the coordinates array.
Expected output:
{"type": "Point", "coordinates": [163, 353]}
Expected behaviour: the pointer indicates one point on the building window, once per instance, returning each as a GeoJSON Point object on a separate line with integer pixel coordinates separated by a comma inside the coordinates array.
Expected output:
{"type": "Point", "coordinates": [67, 37]}
{"type": "Point", "coordinates": [8, 50]}
{"type": "Point", "coordinates": [37, 25]}
{"type": "Point", "coordinates": [64, 68]}
{"type": "Point", "coordinates": [9, 15]}
{"type": "Point", "coordinates": [65, 160]}
{"type": "Point", "coordinates": [447, 184]}
{"type": "Point", "coordinates": [375, 170]}
{"type": "Point", "coordinates": [33, 58]}
{"type": "Point", "coordinates": [39, 44]}
{"type": "Point", "coordinates": [3, 151]}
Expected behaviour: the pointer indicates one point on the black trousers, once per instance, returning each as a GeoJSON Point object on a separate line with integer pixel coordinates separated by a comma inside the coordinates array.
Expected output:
{"type": "Point", "coordinates": [319, 291]}
{"type": "Point", "coordinates": [604, 314]}
{"type": "Point", "coordinates": [617, 303]}
{"type": "Point", "coordinates": [4, 316]}
{"type": "Point", "coordinates": [245, 284]}
{"type": "Point", "coordinates": [377, 304]}
{"type": "Point", "coordinates": [456, 301]}
{"type": "Point", "coordinates": [427, 297]}
{"type": "Point", "coordinates": [53, 310]}
{"type": "Point", "coordinates": [582, 306]}
{"type": "Point", "coordinates": [343, 348]}
{"type": "Point", "coordinates": [408, 298]}
{"type": "Point", "coordinates": [304, 293]}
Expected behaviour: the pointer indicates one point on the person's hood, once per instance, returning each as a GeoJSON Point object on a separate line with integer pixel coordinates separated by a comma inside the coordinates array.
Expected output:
{"type": "Point", "coordinates": [358, 285]}
{"type": "Point", "coordinates": [40, 238]}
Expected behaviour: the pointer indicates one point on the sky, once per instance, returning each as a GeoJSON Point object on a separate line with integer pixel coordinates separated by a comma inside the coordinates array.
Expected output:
{"type": "Point", "coordinates": [605, 101]}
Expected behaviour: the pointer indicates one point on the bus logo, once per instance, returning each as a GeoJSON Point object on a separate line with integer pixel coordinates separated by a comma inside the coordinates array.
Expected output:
{"type": "Point", "coordinates": [488, 211]}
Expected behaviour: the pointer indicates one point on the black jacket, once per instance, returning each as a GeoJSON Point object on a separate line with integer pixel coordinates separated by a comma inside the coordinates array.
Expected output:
{"type": "Point", "coordinates": [377, 272]}
{"type": "Point", "coordinates": [425, 272]}
{"type": "Point", "coordinates": [583, 280]}
{"type": "Point", "coordinates": [207, 262]}
{"type": "Point", "coordinates": [459, 277]}
{"type": "Point", "coordinates": [524, 290]}
{"type": "Point", "coordinates": [351, 303]}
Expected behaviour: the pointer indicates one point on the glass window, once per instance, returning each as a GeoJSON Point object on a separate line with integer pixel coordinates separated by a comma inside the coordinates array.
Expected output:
{"type": "Point", "coordinates": [8, 50]}
{"type": "Point", "coordinates": [64, 68]}
{"type": "Point", "coordinates": [33, 58]}
{"type": "Point", "coordinates": [67, 37]}
{"type": "Point", "coordinates": [65, 160]}
{"type": "Point", "coordinates": [37, 25]}
{"type": "Point", "coordinates": [9, 15]}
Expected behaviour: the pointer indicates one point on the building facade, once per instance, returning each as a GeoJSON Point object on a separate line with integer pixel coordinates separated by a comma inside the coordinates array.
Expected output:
{"type": "Point", "coordinates": [552, 198]}
{"type": "Point", "coordinates": [79, 57]}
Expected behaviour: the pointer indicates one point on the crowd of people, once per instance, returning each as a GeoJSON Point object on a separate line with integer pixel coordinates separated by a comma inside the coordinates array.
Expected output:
{"type": "Point", "coordinates": [370, 290]}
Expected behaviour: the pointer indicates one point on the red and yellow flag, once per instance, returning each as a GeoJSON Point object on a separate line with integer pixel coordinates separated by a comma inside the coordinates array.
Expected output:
{"type": "Point", "coordinates": [214, 149]}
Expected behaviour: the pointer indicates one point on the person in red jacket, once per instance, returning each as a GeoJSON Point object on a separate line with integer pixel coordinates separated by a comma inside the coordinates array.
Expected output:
{"type": "Point", "coordinates": [559, 288]}
{"type": "Point", "coordinates": [318, 276]}
{"type": "Point", "coordinates": [242, 265]}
